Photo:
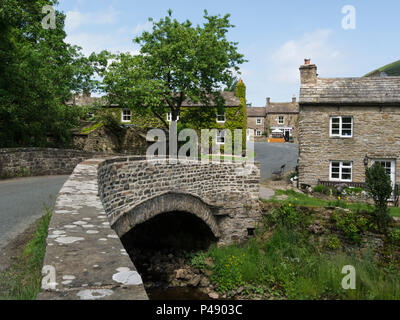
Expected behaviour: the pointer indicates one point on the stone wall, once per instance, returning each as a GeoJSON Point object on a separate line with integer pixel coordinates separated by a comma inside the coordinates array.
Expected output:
{"type": "Point", "coordinates": [221, 194]}
{"type": "Point", "coordinates": [40, 161]}
{"type": "Point", "coordinates": [101, 139]}
{"type": "Point", "coordinates": [376, 134]}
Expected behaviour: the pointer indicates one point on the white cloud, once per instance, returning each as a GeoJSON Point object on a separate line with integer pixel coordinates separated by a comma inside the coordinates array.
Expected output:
{"type": "Point", "coordinates": [96, 42]}
{"type": "Point", "coordinates": [147, 26]}
{"type": "Point", "coordinates": [76, 19]}
{"type": "Point", "coordinates": [286, 60]}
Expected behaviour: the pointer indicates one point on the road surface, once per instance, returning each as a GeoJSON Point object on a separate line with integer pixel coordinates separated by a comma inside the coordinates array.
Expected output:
{"type": "Point", "coordinates": [22, 202]}
{"type": "Point", "coordinates": [272, 156]}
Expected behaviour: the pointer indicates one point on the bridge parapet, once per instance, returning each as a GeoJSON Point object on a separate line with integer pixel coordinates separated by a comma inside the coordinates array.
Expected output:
{"type": "Point", "coordinates": [229, 191]}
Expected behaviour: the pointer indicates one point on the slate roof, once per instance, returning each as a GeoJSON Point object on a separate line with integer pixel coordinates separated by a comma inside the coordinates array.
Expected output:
{"type": "Point", "coordinates": [351, 90]}
{"type": "Point", "coordinates": [255, 112]}
{"type": "Point", "coordinates": [282, 107]}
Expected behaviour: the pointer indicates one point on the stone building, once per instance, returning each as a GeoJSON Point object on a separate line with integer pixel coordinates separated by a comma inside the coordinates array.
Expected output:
{"type": "Point", "coordinates": [283, 116]}
{"type": "Point", "coordinates": [346, 124]}
{"type": "Point", "coordinates": [256, 123]}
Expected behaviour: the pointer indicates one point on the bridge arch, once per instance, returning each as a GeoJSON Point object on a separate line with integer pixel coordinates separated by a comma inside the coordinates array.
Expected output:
{"type": "Point", "coordinates": [165, 203]}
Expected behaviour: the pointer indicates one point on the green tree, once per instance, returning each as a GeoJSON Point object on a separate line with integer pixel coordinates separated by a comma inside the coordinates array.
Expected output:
{"type": "Point", "coordinates": [177, 61]}
{"type": "Point", "coordinates": [379, 186]}
{"type": "Point", "coordinates": [39, 72]}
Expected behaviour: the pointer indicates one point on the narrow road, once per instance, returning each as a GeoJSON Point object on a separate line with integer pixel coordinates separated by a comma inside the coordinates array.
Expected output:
{"type": "Point", "coordinates": [22, 202]}
{"type": "Point", "coordinates": [272, 156]}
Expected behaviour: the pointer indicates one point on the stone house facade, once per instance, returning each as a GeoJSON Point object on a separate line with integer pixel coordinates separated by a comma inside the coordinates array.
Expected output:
{"type": "Point", "coordinates": [283, 116]}
{"type": "Point", "coordinates": [256, 123]}
{"type": "Point", "coordinates": [346, 124]}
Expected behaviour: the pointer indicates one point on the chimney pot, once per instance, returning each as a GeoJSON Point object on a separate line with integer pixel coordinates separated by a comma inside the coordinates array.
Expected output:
{"type": "Point", "coordinates": [308, 72]}
{"type": "Point", "coordinates": [307, 61]}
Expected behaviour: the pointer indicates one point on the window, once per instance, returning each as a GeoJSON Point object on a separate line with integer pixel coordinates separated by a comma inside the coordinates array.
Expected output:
{"type": "Point", "coordinates": [169, 117]}
{"type": "Point", "coordinates": [341, 171]}
{"type": "Point", "coordinates": [126, 115]}
{"type": "Point", "coordinates": [259, 120]}
{"type": "Point", "coordinates": [221, 116]}
{"type": "Point", "coordinates": [221, 137]}
{"type": "Point", "coordinates": [258, 133]}
{"type": "Point", "coordinates": [281, 119]}
{"type": "Point", "coordinates": [341, 127]}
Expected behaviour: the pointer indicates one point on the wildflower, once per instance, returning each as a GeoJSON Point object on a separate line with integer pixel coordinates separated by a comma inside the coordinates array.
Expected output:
{"type": "Point", "coordinates": [338, 198]}
{"type": "Point", "coordinates": [290, 204]}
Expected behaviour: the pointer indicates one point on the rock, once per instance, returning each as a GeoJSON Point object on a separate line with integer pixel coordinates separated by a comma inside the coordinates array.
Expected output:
{"type": "Point", "coordinates": [181, 274]}
{"type": "Point", "coordinates": [239, 290]}
{"type": "Point", "coordinates": [204, 282]}
{"type": "Point", "coordinates": [213, 295]}
{"type": "Point", "coordinates": [194, 281]}
{"type": "Point", "coordinates": [316, 228]}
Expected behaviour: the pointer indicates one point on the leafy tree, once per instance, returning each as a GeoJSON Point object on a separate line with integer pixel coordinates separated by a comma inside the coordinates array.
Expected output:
{"type": "Point", "coordinates": [39, 72]}
{"type": "Point", "coordinates": [177, 61]}
{"type": "Point", "coordinates": [379, 186]}
{"type": "Point", "coordinates": [231, 85]}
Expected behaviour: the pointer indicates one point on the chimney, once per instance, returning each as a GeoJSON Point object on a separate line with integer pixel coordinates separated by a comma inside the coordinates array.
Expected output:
{"type": "Point", "coordinates": [268, 101]}
{"type": "Point", "coordinates": [308, 72]}
{"type": "Point", "coordinates": [294, 99]}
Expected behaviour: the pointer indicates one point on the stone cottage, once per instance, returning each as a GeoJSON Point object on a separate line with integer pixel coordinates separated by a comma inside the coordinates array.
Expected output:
{"type": "Point", "coordinates": [283, 116]}
{"type": "Point", "coordinates": [346, 124]}
{"type": "Point", "coordinates": [256, 124]}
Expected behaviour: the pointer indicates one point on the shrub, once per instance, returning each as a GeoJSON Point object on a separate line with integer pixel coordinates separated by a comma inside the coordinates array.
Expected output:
{"type": "Point", "coordinates": [351, 224]}
{"type": "Point", "coordinates": [379, 187]}
{"type": "Point", "coordinates": [333, 243]}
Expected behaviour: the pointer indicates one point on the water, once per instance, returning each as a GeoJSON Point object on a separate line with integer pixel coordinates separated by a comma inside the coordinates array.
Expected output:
{"type": "Point", "coordinates": [176, 293]}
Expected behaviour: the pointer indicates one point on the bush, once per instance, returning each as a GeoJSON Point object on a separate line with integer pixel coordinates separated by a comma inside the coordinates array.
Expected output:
{"type": "Point", "coordinates": [333, 243]}
{"type": "Point", "coordinates": [379, 187]}
{"type": "Point", "coordinates": [351, 224]}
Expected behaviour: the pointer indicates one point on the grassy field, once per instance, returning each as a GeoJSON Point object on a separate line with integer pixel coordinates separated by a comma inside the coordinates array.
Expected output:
{"type": "Point", "coordinates": [22, 280]}
{"type": "Point", "coordinates": [302, 199]}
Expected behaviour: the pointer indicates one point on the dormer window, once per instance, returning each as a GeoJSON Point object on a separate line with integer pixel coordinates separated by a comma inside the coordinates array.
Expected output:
{"type": "Point", "coordinates": [126, 115]}
{"type": "Point", "coordinates": [341, 127]}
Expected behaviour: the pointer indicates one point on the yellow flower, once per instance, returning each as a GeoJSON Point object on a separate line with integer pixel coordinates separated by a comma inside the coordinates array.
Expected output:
{"type": "Point", "coordinates": [290, 204]}
{"type": "Point", "coordinates": [338, 198]}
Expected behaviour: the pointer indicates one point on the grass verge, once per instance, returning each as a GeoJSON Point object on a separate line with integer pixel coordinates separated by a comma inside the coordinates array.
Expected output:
{"type": "Point", "coordinates": [300, 199]}
{"type": "Point", "coordinates": [22, 280]}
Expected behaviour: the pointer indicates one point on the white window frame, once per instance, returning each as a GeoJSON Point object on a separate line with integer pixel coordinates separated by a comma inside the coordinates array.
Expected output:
{"type": "Point", "coordinates": [123, 115]}
{"type": "Point", "coordinates": [258, 133]}
{"type": "Point", "coordinates": [220, 134]}
{"type": "Point", "coordinates": [279, 119]}
{"type": "Point", "coordinates": [341, 167]}
{"type": "Point", "coordinates": [259, 121]}
{"type": "Point", "coordinates": [220, 115]}
{"type": "Point", "coordinates": [340, 134]}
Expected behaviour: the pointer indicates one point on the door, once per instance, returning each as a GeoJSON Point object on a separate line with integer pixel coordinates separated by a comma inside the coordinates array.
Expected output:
{"type": "Point", "coordinates": [390, 167]}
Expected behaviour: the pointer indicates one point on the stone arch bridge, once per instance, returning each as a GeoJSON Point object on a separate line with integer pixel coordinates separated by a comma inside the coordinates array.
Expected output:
{"type": "Point", "coordinates": [224, 195]}
{"type": "Point", "coordinates": [85, 258]}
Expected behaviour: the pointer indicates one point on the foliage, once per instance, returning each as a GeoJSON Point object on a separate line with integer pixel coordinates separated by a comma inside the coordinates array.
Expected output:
{"type": "Point", "coordinates": [39, 72]}
{"type": "Point", "coordinates": [352, 224]}
{"type": "Point", "coordinates": [322, 189]}
{"type": "Point", "coordinates": [90, 129]}
{"type": "Point", "coordinates": [177, 61]}
{"type": "Point", "coordinates": [333, 243]}
{"type": "Point", "coordinates": [379, 186]}
{"type": "Point", "coordinates": [198, 260]}
{"type": "Point", "coordinates": [288, 265]}
{"type": "Point", "coordinates": [394, 235]}
{"type": "Point", "coordinates": [22, 280]}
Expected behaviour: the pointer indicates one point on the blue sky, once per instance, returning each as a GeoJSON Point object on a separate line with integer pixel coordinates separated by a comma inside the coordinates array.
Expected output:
{"type": "Point", "coordinates": [274, 35]}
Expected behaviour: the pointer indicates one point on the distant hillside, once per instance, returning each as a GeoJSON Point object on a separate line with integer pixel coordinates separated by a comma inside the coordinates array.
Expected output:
{"type": "Point", "coordinates": [392, 69]}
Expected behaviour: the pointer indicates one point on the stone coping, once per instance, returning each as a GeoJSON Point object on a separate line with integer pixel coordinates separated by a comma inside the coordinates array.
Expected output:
{"type": "Point", "coordinates": [85, 259]}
